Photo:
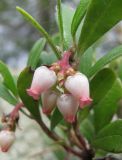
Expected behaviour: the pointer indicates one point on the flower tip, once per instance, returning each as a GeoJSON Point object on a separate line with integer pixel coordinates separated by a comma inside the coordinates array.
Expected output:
{"type": "Point", "coordinates": [4, 149]}
{"type": "Point", "coordinates": [70, 119]}
{"type": "Point", "coordinates": [85, 101]}
{"type": "Point", "coordinates": [33, 94]}
{"type": "Point", "coordinates": [7, 138]}
{"type": "Point", "coordinates": [46, 111]}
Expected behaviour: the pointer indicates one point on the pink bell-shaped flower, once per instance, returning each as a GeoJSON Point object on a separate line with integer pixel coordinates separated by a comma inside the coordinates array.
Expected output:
{"type": "Point", "coordinates": [78, 86]}
{"type": "Point", "coordinates": [68, 106]}
{"type": "Point", "coordinates": [48, 101]}
{"type": "Point", "coordinates": [7, 138]}
{"type": "Point", "coordinates": [43, 79]}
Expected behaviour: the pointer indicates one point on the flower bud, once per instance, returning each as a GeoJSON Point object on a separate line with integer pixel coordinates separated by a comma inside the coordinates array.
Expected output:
{"type": "Point", "coordinates": [78, 86]}
{"type": "Point", "coordinates": [43, 79]}
{"type": "Point", "coordinates": [6, 140]}
{"type": "Point", "coordinates": [68, 106]}
{"type": "Point", "coordinates": [48, 101]}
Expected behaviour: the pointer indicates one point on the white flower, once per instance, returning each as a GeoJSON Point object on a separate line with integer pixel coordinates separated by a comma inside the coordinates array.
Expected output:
{"type": "Point", "coordinates": [43, 79]}
{"type": "Point", "coordinates": [68, 106]}
{"type": "Point", "coordinates": [48, 101]}
{"type": "Point", "coordinates": [78, 86]}
{"type": "Point", "coordinates": [6, 140]}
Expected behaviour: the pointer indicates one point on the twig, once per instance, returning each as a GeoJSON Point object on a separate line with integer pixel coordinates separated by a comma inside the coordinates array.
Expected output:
{"type": "Point", "coordinates": [19, 107]}
{"type": "Point", "coordinates": [55, 137]}
{"type": "Point", "coordinates": [78, 135]}
{"type": "Point", "coordinates": [87, 153]}
{"type": "Point", "coordinates": [29, 116]}
{"type": "Point", "coordinates": [15, 111]}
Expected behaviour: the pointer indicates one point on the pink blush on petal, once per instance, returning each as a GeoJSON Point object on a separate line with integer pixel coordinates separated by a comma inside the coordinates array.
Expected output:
{"type": "Point", "coordinates": [4, 149]}
{"type": "Point", "coordinates": [33, 93]}
{"type": "Point", "coordinates": [46, 111]}
{"type": "Point", "coordinates": [85, 101]}
{"type": "Point", "coordinates": [70, 118]}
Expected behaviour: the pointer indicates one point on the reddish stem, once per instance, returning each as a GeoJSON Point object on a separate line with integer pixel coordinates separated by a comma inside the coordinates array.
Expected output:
{"type": "Point", "coordinates": [78, 135]}
{"type": "Point", "coordinates": [64, 62]}
{"type": "Point", "coordinates": [15, 111]}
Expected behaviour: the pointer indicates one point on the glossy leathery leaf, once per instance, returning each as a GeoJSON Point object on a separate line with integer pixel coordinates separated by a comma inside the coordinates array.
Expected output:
{"type": "Point", "coordinates": [111, 144]}
{"type": "Point", "coordinates": [102, 15]}
{"type": "Point", "coordinates": [112, 55]}
{"type": "Point", "coordinates": [101, 84]}
{"type": "Point", "coordinates": [78, 16]}
{"type": "Point", "coordinates": [67, 15]}
{"type": "Point", "coordinates": [114, 128]}
{"type": "Point", "coordinates": [108, 106]}
{"type": "Point", "coordinates": [86, 61]}
{"type": "Point", "coordinates": [110, 138]}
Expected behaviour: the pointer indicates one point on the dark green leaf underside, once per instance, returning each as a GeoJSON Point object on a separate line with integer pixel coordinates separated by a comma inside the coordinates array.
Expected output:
{"type": "Point", "coordinates": [24, 82]}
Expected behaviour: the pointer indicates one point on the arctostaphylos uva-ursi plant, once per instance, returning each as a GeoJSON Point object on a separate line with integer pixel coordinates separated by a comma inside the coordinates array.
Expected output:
{"type": "Point", "coordinates": [78, 93]}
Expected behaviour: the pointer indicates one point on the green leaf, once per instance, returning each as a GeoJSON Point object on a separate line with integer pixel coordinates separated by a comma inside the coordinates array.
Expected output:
{"type": "Point", "coordinates": [67, 15]}
{"type": "Point", "coordinates": [59, 154]}
{"type": "Point", "coordinates": [101, 84]}
{"type": "Point", "coordinates": [120, 69]}
{"type": "Point", "coordinates": [102, 15]}
{"type": "Point", "coordinates": [107, 107]}
{"type": "Point", "coordinates": [56, 118]}
{"type": "Point", "coordinates": [60, 22]}
{"type": "Point", "coordinates": [40, 29]}
{"type": "Point", "coordinates": [8, 79]}
{"type": "Point", "coordinates": [87, 129]}
{"type": "Point", "coordinates": [110, 138]}
{"type": "Point", "coordinates": [47, 58]}
{"type": "Point", "coordinates": [112, 55]}
{"type": "Point", "coordinates": [6, 95]}
{"type": "Point", "coordinates": [34, 55]}
{"type": "Point", "coordinates": [78, 16]}
{"type": "Point", "coordinates": [83, 113]}
{"type": "Point", "coordinates": [114, 128]}
{"type": "Point", "coordinates": [56, 39]}
{"type": "Point", "coordinates": [86, 61]}
{"type": "Point", "coordinates": [111, 143]}
{"type": "Point", "coordinates": [24, 82]}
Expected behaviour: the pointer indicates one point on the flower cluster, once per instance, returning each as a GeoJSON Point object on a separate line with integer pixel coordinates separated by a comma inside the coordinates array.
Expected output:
{"type": "Point", "coordinates": [8, 128]}
{"type": "Point", "coordinates": [62, 86]}
{"type": "Point", "coordinates": [7, 134]}
{"type": "Point", "coordinates": [7, 138]}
